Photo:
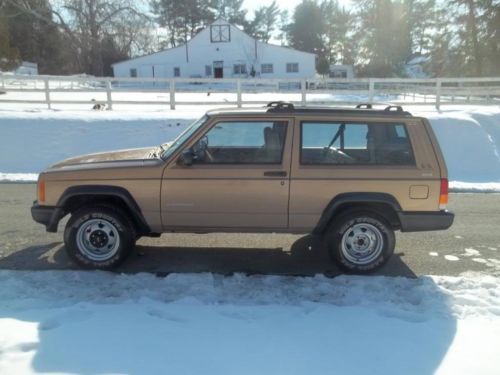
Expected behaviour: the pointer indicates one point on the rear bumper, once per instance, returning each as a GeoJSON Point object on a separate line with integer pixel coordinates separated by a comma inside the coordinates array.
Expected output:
{"type": "Point", "coordinates": [425, 221]}
{"type": "Point", "coordinates": [47, 215]}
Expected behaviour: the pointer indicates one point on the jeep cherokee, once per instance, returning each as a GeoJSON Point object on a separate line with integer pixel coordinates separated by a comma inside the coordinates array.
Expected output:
{"type": "Point", "coordinates": [352, 176]}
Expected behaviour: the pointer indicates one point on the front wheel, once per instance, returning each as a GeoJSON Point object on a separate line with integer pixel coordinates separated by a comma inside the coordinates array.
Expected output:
{"type": "Point", "coordinates": [361, 242]}
{"type": "Point", "coordinates": [99, 237]}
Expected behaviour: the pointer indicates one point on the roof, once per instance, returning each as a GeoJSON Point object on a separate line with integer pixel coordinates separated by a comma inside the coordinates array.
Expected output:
{"type": "Point", "coordinates": [280, 108]}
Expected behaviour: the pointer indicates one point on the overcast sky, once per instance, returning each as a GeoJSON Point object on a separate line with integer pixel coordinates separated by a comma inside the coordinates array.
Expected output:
{"type": "Point", "coordinates": [251, 5]}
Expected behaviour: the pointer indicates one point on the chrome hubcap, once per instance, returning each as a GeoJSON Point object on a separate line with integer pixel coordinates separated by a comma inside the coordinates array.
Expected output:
{"type": "Point", "coordinates": [98, 239]}
{"type": "Point", "coordinates": [362, 243]}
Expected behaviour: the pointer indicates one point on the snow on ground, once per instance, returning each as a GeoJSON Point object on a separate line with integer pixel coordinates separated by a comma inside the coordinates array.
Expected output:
{"type": "Point", "coordinates": [94, 322]}
{"type": "Point", "coordinates": [32, 140]}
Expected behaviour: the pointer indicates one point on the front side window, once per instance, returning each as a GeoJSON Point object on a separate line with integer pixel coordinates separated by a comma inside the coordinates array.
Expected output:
{"type": "Point", "coordinates": [355, 143]}
{"type": "Point", "coordinates": [170, 147]}
{"type": "Point", "coordinates": [235, 142]}
{"type": "Point", "coordinates": [292, 67]}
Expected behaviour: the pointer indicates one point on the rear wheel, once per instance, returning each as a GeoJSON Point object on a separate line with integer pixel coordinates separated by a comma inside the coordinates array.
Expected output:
{"type": "Point", "coordinates": [99, 237]}
{"type": "Point", "coordinates": [361, 242]}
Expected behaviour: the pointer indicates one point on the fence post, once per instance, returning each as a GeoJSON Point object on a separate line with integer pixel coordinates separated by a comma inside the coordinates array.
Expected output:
{"type": "Point", "coordinates": [172, 94]}
{"type": "Point", "coordinates": [303, 92]}
{"type": "Point", "coordinates": [108, 95]}
{"type": "Point", "coordinates": [238, 93]}
{"type": "Point", "coordinates": [438, 94]}
{"type": "Point", "coordinates": [371, 90]}
{"type": "Point", "coordinates": [47, 92]}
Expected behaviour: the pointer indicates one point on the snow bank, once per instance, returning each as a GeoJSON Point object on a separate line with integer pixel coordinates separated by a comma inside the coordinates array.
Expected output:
{"type": "Point", "coordinates": [470, 141]}
{"type": "Point", "coordinates": [91, 322]}
{"type": "Point", "coordinates": [474, 187]}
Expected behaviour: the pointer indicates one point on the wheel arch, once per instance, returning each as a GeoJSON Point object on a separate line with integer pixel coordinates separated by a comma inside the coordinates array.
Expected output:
{"type": "Point", "coordinates": [79, 196]}
{"type": "Point", "coordinates": [383, 204]}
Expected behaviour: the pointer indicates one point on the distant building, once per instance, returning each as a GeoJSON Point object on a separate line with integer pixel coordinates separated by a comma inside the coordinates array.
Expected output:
{"type": "Point", "coordinates": [415, 66]}
{"type": "Point", "coordinates": [27, 68]}
{"type": "Point", "coordinates": [221, 50]}
{"type": "Point", "coordinates": [341, 71]}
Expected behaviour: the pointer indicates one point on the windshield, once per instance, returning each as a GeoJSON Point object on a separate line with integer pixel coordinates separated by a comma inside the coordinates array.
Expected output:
{"type": "Point", "coordinates": [170, 147]}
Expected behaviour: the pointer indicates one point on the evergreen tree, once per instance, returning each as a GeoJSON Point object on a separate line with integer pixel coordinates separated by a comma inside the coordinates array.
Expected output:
{"type": "Point", "coordinates": [339, 43]}
{"type": "Point", "coordinates": [230, 10]}
{"type": "Point", "coordinates": [383, 48]}
{"type": "Point", "coordinates": [36, 38]}
{"type": "Point", "coordinates": [9, 56]}
{"type": "Point", "coordinates": [307, 28]}
{"type": "Point", "coordinates": [264, 22]}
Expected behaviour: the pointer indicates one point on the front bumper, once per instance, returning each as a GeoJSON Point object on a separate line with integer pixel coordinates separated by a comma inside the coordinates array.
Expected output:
{"type": "Point", "coordinates": [425, 221]}
{"type": "Point", "coordinates": [47, 215]}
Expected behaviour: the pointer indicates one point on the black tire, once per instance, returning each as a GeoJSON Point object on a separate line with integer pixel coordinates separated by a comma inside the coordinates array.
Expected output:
{"type": "Point", "coordinates": [360, 241]}
{"type": "Point", "coordinates": [108, 228]}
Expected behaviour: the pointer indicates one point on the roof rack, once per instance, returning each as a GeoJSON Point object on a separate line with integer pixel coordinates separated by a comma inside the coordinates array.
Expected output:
{"type": "Point", "coordinates": [364, 106]}
{"type": "Point", "coordinates": [280, 105]}
{"type": "Point", "coordinates": [360, 109]}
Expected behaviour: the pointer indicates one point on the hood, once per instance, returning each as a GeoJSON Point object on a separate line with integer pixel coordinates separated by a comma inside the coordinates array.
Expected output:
{"type": "Point", "coordinates": [110, 156]}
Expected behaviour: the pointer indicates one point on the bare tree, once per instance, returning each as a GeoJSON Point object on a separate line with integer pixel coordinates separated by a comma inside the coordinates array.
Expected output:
{"type": "Point", "coordinates": [90, 23]}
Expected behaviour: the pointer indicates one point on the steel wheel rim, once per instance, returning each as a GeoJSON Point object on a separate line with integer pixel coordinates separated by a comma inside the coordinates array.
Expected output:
{"type": "Point", "coordinates": [98, 239]}
{"type": "Point", "coordinates": [362, 243]}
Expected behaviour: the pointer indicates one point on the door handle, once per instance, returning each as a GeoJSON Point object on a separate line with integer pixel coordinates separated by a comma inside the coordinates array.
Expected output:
{"type": "Point", "coordinates": [275, 173]}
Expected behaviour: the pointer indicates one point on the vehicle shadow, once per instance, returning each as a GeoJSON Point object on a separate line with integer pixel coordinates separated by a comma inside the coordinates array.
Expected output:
{"type": "Point", "coordinates": [306, 257]}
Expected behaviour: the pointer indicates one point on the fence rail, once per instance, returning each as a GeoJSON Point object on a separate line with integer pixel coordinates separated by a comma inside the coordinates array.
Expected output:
{"type": "Point", "coordinates": [50, 91]}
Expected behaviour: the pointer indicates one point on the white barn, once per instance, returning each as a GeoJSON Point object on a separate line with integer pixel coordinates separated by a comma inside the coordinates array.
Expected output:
{"type": "Point", "coordinates": [221, 50]}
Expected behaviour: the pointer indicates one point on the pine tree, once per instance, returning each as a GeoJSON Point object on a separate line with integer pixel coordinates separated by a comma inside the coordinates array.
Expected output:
{"type": "Point", "coordinates": [9, 56]}
{"type": "Point", "coordinates": [339, 43]}
{"type": "Point", "coordinates": [383, 47]}
{"type": "Point", "coordinates": [307, 28]}
{"type": "Point", "coordinates": [264, 22]}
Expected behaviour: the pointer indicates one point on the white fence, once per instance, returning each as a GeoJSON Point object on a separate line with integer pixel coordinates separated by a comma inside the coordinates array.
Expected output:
{"type": "Point", "coordinates": [53, 91]}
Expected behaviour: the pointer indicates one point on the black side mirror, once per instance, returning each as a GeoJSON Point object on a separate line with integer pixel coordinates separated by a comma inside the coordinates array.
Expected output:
{"type": "Point", "coordinates": [186, 158]}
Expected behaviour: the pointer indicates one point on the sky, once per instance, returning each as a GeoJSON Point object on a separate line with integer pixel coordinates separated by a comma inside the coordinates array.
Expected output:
{"type": "Point", "coordinates": [251, 5]}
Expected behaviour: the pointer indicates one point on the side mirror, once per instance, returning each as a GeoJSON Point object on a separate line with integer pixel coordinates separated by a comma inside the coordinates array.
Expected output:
{"type": "Point", "coordinates": [186, 158]}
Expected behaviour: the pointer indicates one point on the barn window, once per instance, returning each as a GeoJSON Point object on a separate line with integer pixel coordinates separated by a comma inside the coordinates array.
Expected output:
{"type": "Point", "coordinates": [220, 33]}
{"type": "Point", "coordinates": [292, 67]}
{"type": "Point", "coordinates": [133, 72]}
{"type": "Point", "coordinates": [240, 69]}
{"type": "Point", "coordinates": [266, 68]}
{"type": "Point", "coordinates": [177, 71]}
{"type": "Point", "coordinates": [208, 70]}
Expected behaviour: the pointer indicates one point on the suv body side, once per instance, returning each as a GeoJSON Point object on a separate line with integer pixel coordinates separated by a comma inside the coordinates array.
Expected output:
{"type": "Point", "coordinates": [252, 197]}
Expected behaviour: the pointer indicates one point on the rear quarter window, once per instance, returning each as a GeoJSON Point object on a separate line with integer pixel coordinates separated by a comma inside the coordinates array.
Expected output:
{"type": "Point", "coordinates": [363, 143]}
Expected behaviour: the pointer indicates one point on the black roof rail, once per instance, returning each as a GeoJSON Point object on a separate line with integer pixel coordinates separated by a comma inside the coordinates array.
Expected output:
{"type": "Point", "coordinates": [393, 108]}
{"type": "Point", "coordinates": [280, 105]}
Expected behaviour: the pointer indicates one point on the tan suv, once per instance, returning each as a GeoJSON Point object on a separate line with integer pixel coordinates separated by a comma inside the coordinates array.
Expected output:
{"type": "Point", "coordinates": [353, 176]}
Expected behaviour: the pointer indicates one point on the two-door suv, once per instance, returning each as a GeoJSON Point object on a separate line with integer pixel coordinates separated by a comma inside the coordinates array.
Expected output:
{"type": "Point", "coordinates": [352, 176]}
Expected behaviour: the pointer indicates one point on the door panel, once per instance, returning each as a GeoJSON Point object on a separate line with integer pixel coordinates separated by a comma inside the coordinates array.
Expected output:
{"type": "Point", "coordinates": [223, 192]}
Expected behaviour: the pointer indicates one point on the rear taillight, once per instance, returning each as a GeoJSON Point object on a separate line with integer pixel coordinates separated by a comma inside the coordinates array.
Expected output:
{"type": "Point", "coordinates": [41, 191]}
{"type": "Point", "coordinates": [443, 194]}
